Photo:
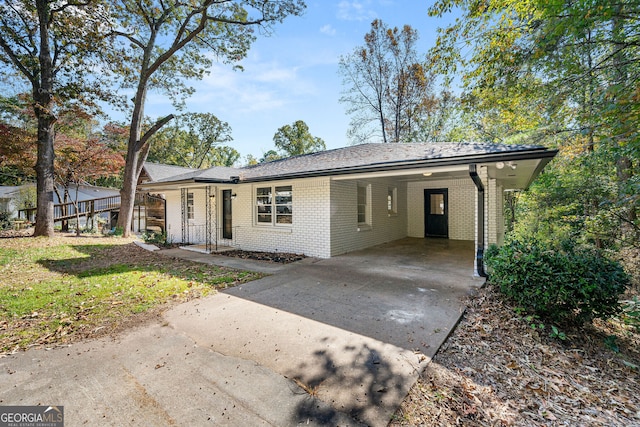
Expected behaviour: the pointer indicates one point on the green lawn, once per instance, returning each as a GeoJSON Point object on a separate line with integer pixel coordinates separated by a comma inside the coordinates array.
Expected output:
{"type": "Point", "coordinates": [58, 290]}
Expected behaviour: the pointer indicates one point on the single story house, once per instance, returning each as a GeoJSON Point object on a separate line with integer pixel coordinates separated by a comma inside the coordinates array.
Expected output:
{"type": "Point", "coordinates": [337, 201]}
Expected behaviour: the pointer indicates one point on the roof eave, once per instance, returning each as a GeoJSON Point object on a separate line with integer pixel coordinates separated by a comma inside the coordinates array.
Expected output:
{"type": "Point", "coordinates": [412, 164]}
{"type": "Point", "coordinates": [541, 153]}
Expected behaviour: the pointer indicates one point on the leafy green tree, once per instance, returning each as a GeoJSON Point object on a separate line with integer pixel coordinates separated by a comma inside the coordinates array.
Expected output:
{"type": "Point", "coordinates": [295, 139]}
{"type": "Point", "coordinates": [48, 44]}
{"type": "Point", "coordinates": [193, 141]}
{"type": "Point", "coordinates": [269, 156]}
{"type": "Point", "coordinates": [158, 45]}
{"type": "Point", "coordinates": [562, 73]}
{"type": "Point", "coordinates": [387, 87]}
{"type": "Point", "coordinates": [250, 160]}
{"type": "Point", "coordinates": [226, 156]}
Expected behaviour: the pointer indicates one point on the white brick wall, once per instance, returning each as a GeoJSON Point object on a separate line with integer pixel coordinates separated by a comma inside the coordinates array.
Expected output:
{"type": "Point", "coordinates": [346, 236]}
{"type": "Point", "coordinates": [309, 233]}
{"type": "Point", "coordinates": [462, 207]}
{"type": "Point", "coordinates": [325, 214]}
{"type": "Point", "coordinates": [495, 213]}
{"type": "Point", "coordinates": [173, 220]}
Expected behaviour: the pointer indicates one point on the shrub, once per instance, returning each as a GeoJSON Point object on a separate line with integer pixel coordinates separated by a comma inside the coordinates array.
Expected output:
{"type": "Point", "coordinates": [5, 220]}
{"type": "Point", "coordinates": [155, 238]}
{"type": "Point", "coordinates": [565, 284]}
{"type": "Point", "coordinates": [117, 231]}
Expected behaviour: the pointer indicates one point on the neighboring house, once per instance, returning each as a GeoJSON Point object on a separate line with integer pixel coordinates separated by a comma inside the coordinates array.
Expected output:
{"type": "Point", "coordinates": [83, 192]}
{"type": "Point", "coordinates": [150, 211]}
{"type": "Point", "coordinates": [158, 171]}
{"type": "Point", "coordinates": [8, 195]}
{"type": "Point", "coordinates": [337, 201]}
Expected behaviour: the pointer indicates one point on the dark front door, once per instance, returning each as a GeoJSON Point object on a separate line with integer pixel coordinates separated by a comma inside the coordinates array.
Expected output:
{"type": "Point", "coordinates": [226, 215]}
{"type": "Point", "coordinates": [436, 213]}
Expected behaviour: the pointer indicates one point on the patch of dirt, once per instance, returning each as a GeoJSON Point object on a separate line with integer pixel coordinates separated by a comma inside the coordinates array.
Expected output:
{"type": "Point", "coordinates": [10, 234]}
{"type": "Point", "coordinates": [495, 370]}
{"type": "Point", "coordinates": [276, 257]}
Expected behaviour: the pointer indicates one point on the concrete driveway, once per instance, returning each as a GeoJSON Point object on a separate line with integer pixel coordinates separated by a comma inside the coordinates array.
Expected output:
{"type": "Point", "coordinates": [320, 342]}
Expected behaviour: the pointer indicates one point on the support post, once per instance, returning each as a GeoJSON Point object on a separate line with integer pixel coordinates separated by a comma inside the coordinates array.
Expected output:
{"type": "Point", "coordinates": [473, 173]}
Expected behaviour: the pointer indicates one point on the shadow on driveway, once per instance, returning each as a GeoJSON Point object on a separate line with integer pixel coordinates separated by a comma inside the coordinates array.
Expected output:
{"type": "Point", "coordinates": [355, 330]}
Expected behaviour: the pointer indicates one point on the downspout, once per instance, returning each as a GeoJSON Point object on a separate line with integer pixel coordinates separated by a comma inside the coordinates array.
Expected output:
{"type": "Point", "coordinates": [473, 172]}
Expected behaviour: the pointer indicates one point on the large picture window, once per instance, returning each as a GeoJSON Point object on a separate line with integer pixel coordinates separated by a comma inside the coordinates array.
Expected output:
{"type": "Point", "coordinates": [274, 205]}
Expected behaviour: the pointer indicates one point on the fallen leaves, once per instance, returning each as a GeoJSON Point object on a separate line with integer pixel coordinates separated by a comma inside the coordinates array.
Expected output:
{"type": "Point", "coordinates": [495, 370]}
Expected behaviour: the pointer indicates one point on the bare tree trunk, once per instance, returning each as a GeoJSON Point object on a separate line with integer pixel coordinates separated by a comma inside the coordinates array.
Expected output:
{"type": "Point", "coordinates": [137, 152]}
{"type": "Point", "coordinates": [43, 103]}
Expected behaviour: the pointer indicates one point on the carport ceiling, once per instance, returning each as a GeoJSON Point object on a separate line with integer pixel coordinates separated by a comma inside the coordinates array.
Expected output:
{"type": "Point", "coordinates": [511, 175]}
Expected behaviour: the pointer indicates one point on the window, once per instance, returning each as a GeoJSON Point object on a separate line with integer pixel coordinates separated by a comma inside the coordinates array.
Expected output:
{"type": "Point", "coordinates": [274, 205]}
{"type": "Point", "coordinates": [283, 205]}
{"type": "Point", "coordinates": [363, 204]}
{"type": "Point", "coordinates": [437, 204]}
{"type": "Point", "coordinates": [190, 209]}
{"type": "Point", "coordinates": [392, 202]}
{"type": "Point", "coordinates": [263, 202]}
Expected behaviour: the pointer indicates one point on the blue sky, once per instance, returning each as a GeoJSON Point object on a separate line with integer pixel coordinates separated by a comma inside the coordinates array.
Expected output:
{"type": "Point", "coordinates": [293, 74]}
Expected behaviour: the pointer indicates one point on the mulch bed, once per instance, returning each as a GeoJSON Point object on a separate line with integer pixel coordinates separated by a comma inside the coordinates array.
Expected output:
{"type": "Point", "coordinates": [276, 257]}
{"type": "Point", "coordinates": [495, 370]}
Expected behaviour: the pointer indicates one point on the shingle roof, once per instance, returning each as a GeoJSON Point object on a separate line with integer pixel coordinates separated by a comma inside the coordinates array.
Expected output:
{"type": "Point", "coordinates": [357, 158]}
{"type": "Point", "coordinates": [6, 191]}
{"type": "Point", "coordinates": [158, 171]}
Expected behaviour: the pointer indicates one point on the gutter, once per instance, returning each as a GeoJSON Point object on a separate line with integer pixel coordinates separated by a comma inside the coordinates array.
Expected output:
{"type": "Point", "coordinates": [473, 173]}
{"type": "Point", "coordinates": [535, 153]}
{"type": "Point", "coordinates": [541, 153]}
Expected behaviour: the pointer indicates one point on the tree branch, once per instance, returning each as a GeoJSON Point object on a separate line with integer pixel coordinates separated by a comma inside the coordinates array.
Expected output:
{"type": "Point", "coordinates": [155, 128]}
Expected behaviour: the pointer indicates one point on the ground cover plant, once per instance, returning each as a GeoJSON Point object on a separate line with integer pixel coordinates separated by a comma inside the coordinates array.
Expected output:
{"type": "Point", "coordinates": [54, 291]}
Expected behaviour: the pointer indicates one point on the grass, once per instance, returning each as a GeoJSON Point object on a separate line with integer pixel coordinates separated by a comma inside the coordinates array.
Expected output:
{"type": "Point", "coordinates": [62, 289]}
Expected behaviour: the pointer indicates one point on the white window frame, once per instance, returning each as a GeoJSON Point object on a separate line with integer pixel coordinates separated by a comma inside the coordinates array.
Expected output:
{"type": "Point", "coordinates": [392, 201]}
{"type": "Point", "coordinates": [191, 212]}
{"type": "Point", "coordinates": [363, 208]}
{"type": "Point", "coordinates": [268, 202]}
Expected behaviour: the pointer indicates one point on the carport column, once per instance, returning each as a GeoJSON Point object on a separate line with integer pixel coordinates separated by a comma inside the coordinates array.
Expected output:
{"type": "Point", "coordinates": [478, 269]}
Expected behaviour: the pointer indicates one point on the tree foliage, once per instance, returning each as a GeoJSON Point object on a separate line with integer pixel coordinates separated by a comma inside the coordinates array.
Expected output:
{"type": "Point", "coordinates": [295, 139]}
{"type": "Point", "coordinates": [563, 74]}
{"type": "Point", "coordinates": [194, 140]}
{"type": "Point", "coordinates": [387, 86]}
{"type": "Point", "coordinates": [48, 44]}
{"type": "Point", "coordinates": [158, 46]}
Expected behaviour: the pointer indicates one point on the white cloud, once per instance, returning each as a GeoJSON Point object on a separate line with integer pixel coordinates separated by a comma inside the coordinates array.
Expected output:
{"type": "Point", "coordinates": [262, 86]}
{"type": "Point", "coordinates": [355, 10]}
{"type": "Point", "coordinates": [328, 30]}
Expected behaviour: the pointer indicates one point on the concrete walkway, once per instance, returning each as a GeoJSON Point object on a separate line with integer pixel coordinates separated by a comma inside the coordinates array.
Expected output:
{"type": "Point", "coordinates": [320, 342]}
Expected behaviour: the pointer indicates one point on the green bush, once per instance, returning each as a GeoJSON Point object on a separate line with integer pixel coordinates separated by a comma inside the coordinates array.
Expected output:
{"type": "Point", "coordinates": [117, 231]}
{"type": "Point", "coordinates": [5, 221]}
{"type": "Point", "coordinates": [155, 238]}
{"type": "Point", "coordinates": [565, 284]}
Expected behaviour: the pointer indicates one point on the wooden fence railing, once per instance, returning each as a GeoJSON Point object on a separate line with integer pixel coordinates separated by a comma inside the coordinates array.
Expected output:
{"type": "Point", "coordinates": [90, 207]}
